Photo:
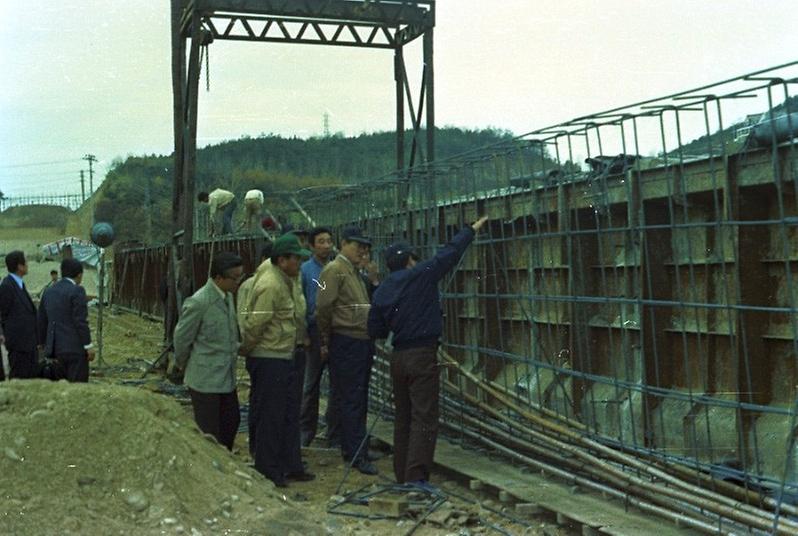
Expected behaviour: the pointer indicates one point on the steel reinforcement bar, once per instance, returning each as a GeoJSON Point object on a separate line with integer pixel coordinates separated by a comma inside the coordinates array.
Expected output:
{"type": "Point", "coordinates": [635, 283]}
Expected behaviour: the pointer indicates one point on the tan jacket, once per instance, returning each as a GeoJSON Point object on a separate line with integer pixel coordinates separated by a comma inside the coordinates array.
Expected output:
{"type": "Point", "coordinates": [342, 303]}
{"type": "Point", "coordinates": [271, 314]}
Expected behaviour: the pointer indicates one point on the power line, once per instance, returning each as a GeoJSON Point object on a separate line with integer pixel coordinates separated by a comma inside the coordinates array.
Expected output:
{"type": "Point", "coordinates": [31, 164]}
{"type": "Point", "coordinates": [52, 174]}
{"type": "Point", "coordinates": [43, 181]}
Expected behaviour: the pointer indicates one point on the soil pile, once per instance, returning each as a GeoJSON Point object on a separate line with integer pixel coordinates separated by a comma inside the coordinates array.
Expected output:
{"type": "Point", "coordinates": [101, 459]}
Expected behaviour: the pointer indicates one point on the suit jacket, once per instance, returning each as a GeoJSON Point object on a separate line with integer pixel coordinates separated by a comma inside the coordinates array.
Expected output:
{"type": "Point", "coordinates": [64, 319]}
{"type": "Point", "coordinates": [17, 317]}
{"type": "Point", "coordinates": [206, 341]}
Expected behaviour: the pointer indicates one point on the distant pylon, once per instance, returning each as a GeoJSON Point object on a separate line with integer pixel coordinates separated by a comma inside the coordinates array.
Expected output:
{"type": "Point", "coordinates": [326, 124]}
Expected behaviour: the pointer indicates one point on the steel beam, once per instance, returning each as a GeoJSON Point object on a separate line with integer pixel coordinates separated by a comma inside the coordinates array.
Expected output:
{"type": "Point", "coordinates": [392, 12]}
{"type": "Point", "coordinates": [272, 29]}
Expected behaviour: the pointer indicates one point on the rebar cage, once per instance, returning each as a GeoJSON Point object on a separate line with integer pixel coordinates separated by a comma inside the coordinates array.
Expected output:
{"type": "Point", "coordinates": [635, 278]}
{"type": "Point", "coordinates": [637, 271]}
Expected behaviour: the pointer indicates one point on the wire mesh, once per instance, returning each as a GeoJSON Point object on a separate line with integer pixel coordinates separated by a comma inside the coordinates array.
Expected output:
{"type": "Point", "coordinates": [635, 279]}
{"type": "Point", "coordinates": [636, 275]}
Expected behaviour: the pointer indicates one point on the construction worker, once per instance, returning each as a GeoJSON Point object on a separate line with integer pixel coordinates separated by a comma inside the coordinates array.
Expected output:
{"type": "Point", "coordinates": [221, 205]}
{"type": "Point", "coordinates": [253, 206]}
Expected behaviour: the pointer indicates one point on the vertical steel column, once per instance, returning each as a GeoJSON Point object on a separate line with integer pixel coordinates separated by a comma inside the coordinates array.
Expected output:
{"type": "Point", "coordinates": [178, 83]}
{"type": "Point", "coordinates": [190, 157]}
{"type": "Point", "coordinates": [430, 80]}
{"type": "Point", "coordinates": [398, 76]}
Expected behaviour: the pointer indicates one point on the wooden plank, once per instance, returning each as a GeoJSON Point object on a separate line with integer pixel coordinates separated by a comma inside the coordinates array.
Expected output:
{"type": "Point", "coordinates": [586, 508]}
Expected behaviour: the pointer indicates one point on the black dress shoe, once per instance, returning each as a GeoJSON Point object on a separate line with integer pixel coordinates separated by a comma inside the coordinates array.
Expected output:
{"type": "Point", "coordinates": [280, 483]}
{"type": "Point", "coordinates": [373, 456]}
{"type": "Point", "coordinates": [366, 467]}
{"type": "Point", "coordinates": [304, 476]}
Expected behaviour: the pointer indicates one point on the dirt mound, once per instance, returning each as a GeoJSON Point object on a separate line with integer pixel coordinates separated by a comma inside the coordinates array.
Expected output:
{"type": "Point", "coordinates": [105, 459]}
{"type": "Point", "coordinates": [35, 216]}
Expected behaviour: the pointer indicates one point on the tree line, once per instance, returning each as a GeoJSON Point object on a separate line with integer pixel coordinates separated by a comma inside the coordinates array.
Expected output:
{"type": "Point", "coordinates": [136, 196]}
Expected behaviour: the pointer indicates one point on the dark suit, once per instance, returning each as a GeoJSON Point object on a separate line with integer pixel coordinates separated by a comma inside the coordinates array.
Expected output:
{"type": "Point", "coordinates": [64, 325]}
{"type": "Point", "coordinates": [18, 318]}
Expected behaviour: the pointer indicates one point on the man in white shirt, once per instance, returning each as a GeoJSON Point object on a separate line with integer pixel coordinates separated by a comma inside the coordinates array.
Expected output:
{"type": "Point", "coordinates": [253, 205]}
{"type": "Point", "coordinates": [221, 205]}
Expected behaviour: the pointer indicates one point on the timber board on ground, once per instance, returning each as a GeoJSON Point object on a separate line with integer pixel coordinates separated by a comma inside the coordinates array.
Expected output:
{"type": "Point", "coordinates": [602, 515]}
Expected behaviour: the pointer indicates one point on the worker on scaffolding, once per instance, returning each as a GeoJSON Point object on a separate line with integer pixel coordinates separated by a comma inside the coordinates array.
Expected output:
{"type": "Point", "coordinates": [407, 304]}
{"type": "Point", "coordinates": [253, 207]}
{"type": "Point", "coordinates": [221, 205]}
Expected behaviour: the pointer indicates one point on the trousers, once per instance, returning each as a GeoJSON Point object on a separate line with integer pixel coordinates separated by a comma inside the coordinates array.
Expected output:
{"type": "Point", "coordinates": [416, 389]}
{"type": "Point", "coordinates": [275, 415]}
{"type": "Point", "coordinates": [217, 414]}
{"type": "Point", "coordinates": [309, 417]}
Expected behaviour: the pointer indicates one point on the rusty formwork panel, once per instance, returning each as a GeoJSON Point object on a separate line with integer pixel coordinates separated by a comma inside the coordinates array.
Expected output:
{"type": "Point", "coordinates": [139, 272]}
{"type": "Point", "coordinates": [637, 274]}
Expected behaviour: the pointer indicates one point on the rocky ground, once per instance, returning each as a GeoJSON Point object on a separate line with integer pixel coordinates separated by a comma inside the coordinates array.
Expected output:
{"type": "Point", "coordinates": [122, 454]}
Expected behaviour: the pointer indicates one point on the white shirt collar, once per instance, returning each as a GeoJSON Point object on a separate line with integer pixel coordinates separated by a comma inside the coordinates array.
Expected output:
{"type": "Point", "coordinates": [16, 278]}
{"type": "Point", "coordinates": [222, 293]}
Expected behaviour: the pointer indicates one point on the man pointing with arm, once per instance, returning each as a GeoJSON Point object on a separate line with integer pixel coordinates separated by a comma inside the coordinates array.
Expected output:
{"type": "Point", "coordinates": [408, 304]}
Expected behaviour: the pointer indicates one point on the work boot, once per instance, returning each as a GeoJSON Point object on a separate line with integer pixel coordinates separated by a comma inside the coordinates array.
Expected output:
{"type": "Point", "coordinates": [304, 476]}
{"type": "Point", "coordinates": [366, 467]}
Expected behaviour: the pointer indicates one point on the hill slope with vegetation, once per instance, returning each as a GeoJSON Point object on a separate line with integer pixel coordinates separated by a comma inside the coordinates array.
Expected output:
{"type": "Point", "coordinates": [136, 195]}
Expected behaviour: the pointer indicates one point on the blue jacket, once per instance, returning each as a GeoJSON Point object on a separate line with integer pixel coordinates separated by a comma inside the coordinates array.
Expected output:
{"type": "Point", "coordinates": [408, 302]}
{"type": "Point", "coordinates": [311, 273]}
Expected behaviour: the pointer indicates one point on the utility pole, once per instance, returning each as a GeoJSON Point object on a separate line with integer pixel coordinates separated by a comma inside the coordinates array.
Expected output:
{"type": "Point", "coordinates": [148, 209]}
{"type": "Point", "coordinates": [90, 158]}
{"type": "Point", "coordinates": [82, 188]}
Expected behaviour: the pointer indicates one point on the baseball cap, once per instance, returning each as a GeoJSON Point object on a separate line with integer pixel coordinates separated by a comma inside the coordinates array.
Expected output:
{"type": "Point", "coordinates": [397, 254]}
{"type": "Point", "coordinates": [354, 234]}
{"type": "Point", "coordinates": [288, 244]}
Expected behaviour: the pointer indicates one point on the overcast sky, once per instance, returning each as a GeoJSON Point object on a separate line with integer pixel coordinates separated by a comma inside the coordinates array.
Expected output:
{"type": "Point", "coordinates": [93, 76]}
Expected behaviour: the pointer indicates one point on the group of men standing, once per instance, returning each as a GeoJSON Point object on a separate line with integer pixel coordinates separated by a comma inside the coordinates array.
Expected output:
{"type": "Point", "coordinates": [59, 329]}
{"type": "Point", "coordinates": [304, 310]}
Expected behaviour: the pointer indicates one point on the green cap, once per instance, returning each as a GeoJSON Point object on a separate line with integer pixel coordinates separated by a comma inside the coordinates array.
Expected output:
{"type": "Point", "coordinates": [288, 244]}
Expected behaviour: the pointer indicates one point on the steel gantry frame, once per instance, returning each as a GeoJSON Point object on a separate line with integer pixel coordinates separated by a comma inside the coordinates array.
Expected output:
{"type": "Point", "coordinates": [380, 24]}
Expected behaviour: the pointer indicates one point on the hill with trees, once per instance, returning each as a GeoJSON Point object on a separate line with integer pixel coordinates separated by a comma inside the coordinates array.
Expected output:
{"type": "Point", "coordinates": [136, 194]}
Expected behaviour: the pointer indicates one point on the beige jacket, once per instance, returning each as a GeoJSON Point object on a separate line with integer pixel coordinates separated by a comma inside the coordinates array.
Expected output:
{"type": "Point", "coordinates": [206, 341]}
{"type": "Point", "coordinates": [271, 314]}
{"type": "Point", "coordinates": [342, 303]}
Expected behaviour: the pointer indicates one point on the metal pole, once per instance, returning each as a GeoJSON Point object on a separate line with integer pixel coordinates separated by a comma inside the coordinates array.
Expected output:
{"type": "Point", "coordinates": [178, 83]}
{"type": "Point", "coordinates": [190, 156]}
{"type": "Point", "coordinates": [430, 79]}
{"type": "Point", "coordinates": [82, 187]}
{"type": "Point", "coordinates": [398, 71]}
{"type": "Point", "coordinates": [101, 298]}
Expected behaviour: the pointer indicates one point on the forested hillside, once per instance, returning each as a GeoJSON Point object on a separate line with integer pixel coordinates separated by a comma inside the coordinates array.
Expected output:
{"type": "Point", "coordinates": [136, 195]}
